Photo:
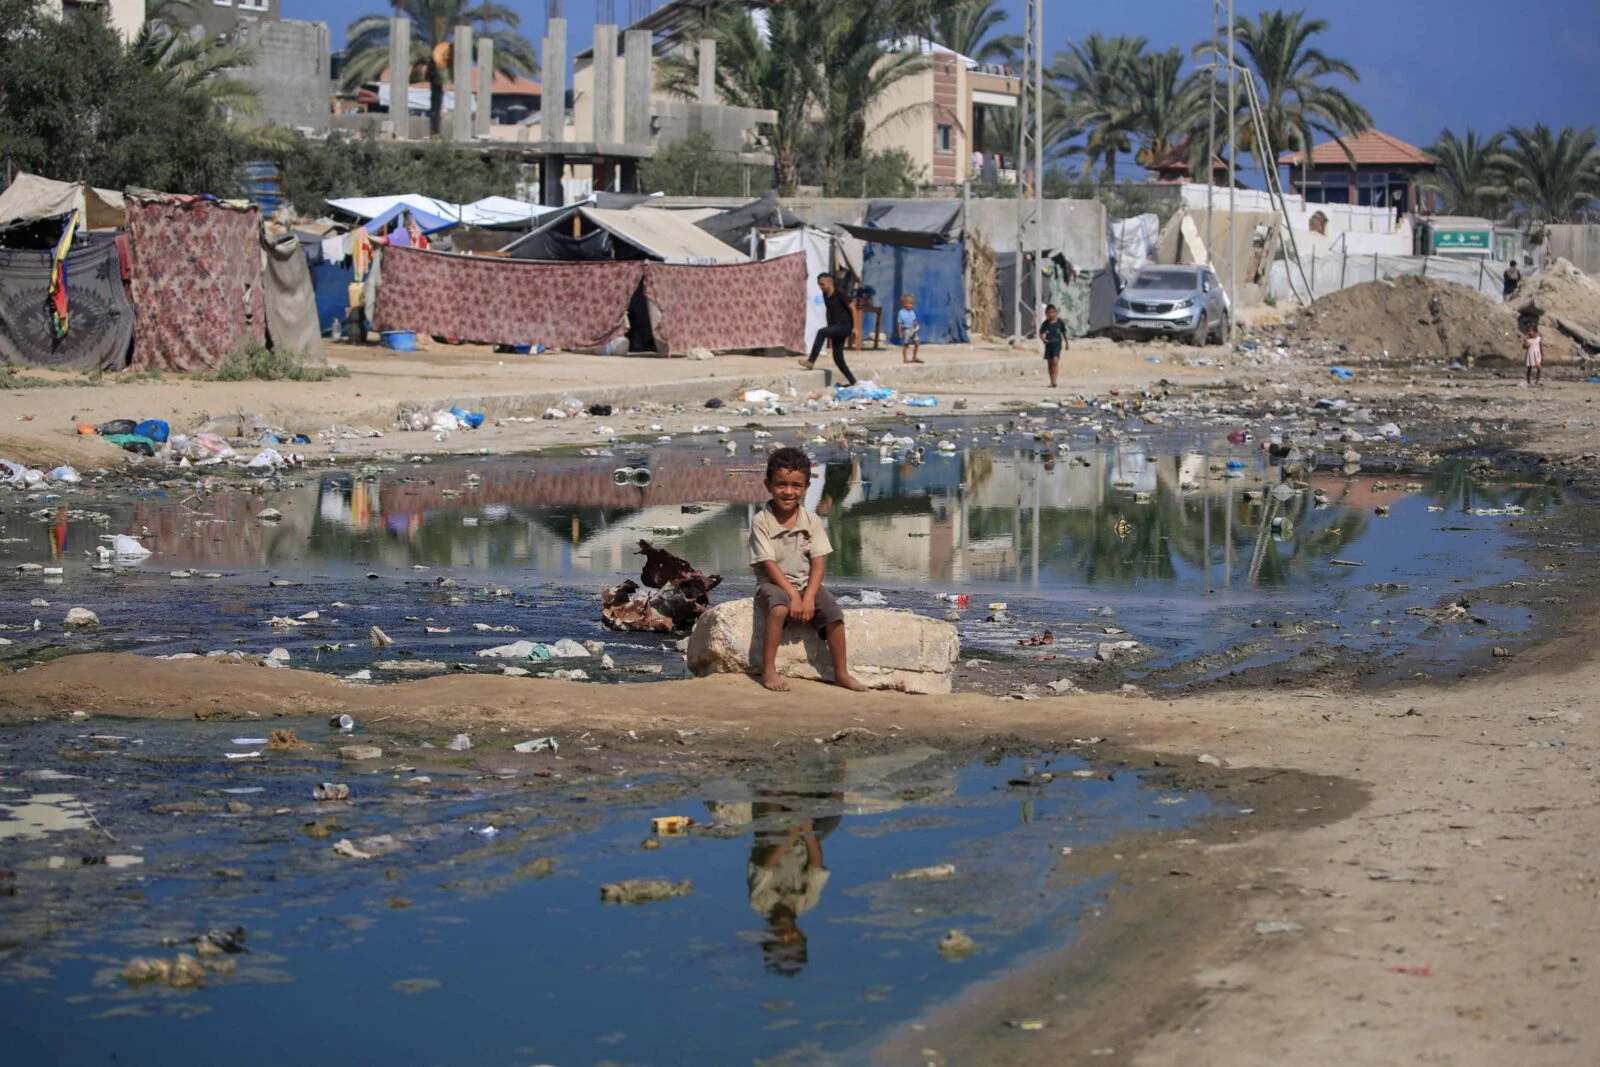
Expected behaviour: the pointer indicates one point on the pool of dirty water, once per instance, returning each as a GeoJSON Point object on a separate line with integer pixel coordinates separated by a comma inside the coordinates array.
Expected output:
{"type": "Point", "coordinates": [476, 931]}
{"type": "Point", "coordinates": [1174, 536]}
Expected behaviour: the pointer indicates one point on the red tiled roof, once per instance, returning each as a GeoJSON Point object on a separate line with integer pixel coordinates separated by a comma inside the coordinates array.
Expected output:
{"type": "Point", "coordinates": [1372, 148]}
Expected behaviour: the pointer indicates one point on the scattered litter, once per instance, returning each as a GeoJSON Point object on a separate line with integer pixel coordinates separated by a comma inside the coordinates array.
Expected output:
{"type": "Point", "coordinates": [926, 874]}
{"type": "Point", "coordinates": [956, 943]}
{"type": "Point", "coordinates": [331, 791]}
{"type": "Point", "coordinates": [643, 891]}
{"type": "Point", "coordinates": [671, 825]}
{"type": "Point", "coordinates": [379, 639]}
{"type": "Point", "coordinates": [343, 847]}
{"type": "Point", "coordinates": [538, 744]}
{"type": "Point", "coordinates": [459, 743]}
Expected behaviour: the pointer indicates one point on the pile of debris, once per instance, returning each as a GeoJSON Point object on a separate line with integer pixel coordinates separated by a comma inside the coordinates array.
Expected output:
{"type": "Point", "coordinates": [1565, 298]}
{"type": "Point", "coordinates": [682, 594]}
{"type": "Point", "coordinates": [1412, 318]}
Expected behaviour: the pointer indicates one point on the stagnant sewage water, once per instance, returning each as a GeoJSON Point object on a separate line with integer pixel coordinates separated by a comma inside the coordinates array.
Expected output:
{"type": "Point", "coordinates": [1157, 533]}
{"type": "Point", "coordinates": [476, 933]}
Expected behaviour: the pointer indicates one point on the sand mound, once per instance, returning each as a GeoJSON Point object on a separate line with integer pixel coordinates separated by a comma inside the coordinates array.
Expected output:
{"type": "Point", "coordinates": [1412, 317]}
{"type": "Point", "coordinates": [1564, 291]}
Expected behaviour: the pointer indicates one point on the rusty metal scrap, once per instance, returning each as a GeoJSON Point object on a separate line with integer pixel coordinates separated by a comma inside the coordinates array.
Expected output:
{"type": "Point", "coordinates": [681, 595]}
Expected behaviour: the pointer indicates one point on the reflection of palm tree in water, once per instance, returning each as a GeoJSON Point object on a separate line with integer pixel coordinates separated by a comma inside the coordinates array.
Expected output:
{"type": "Point", "coordinates": [786, 872]}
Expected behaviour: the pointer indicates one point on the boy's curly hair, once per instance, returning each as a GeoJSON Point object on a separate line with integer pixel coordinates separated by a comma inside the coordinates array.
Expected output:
{"type": "Point", "coordinates": [788, 459]}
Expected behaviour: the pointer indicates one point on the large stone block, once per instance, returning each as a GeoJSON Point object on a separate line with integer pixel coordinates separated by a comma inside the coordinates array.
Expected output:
{"type": "Point", "coordinates": [888, 649]}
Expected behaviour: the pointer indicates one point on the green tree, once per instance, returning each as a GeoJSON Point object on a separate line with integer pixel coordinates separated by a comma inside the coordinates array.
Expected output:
{"type": "Point", "coordinates": [1095, 76]}
{"type": "Point", "coordinates": [966, 26]}
{"type": "Point", "coordinates": [1293, 80]}
{"type": "Point", "coordinates": [1551, 175]}
{"type": "Point", "coordinates": [1470, 173]}
{"type": "Point", "coordinates": [693, 167]}
{"type": "Point", "coordinates": [861, 61]}
{"type": "Point", "coordinates": [1165, 106]}
{"type": "Point", "coordinates": [350, 165]}
{"type": "Point", "coordinates": [778, 71]}
{"type": "Point", "coordinates": [433, 24]}
{"type": "Point", "coordinates": [76, 105]}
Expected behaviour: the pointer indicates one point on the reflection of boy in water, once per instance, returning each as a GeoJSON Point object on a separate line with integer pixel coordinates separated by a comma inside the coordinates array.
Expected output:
{"type": "Point", "coordinates": [785, 876]}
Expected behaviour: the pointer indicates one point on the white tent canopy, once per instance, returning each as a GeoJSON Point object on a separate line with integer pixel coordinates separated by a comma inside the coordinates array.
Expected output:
{"type": "Point", "coordinates": [30, 198]}
{"type": "Point", "coordinates": [490, 211]}
{"type": "Point", "coordinates": [664, 235]}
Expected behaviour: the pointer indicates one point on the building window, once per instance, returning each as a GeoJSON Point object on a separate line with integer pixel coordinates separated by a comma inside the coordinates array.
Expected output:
{"type": "Point", "coordinates": [946, 139]}
{"type": "Point", "coordinates": [253, 5]}
{"type": "Point", "coordinates": [223, 3]}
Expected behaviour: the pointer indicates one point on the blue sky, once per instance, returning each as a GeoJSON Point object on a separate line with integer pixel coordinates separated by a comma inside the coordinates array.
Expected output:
{"type": "Point", "coordinates": [1425, 64]}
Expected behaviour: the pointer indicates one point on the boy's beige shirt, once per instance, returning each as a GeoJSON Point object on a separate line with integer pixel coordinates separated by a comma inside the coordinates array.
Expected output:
{"type": "Point", "coordinates": [792, 548]}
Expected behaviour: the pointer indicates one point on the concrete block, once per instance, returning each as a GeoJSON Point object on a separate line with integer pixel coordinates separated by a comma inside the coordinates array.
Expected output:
{"type": "Point", "coordinates": [461, 114]}
{"type": "Point", "coordinates": [553, 105]}
{"type": "Point", "coordinates": [638, 78]}
{"type": "Point", "coordinates": [482, 116]}
{"type": "Point", "coordinates": [888, 649]}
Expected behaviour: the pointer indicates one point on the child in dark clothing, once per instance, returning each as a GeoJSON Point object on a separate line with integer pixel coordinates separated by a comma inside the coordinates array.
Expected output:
{"type": "Point", "coordinates": [1053, 332]}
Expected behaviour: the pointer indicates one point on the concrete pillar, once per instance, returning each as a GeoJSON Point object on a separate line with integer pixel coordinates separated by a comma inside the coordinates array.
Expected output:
{"type": "Point", "coordinates": [551, 192]}
{"type": "Point", "coordinates": [553, 102]}
{"type": "Point", "coordinates": [605, 90]}
{"type": "Point", "coordinates": [461, 118]}
{"type": "Point", "coordinates": [708, 70]}
{"type": "Point", "coordinates": [481, 118]}
{"type": "Point", "coordinates": [637, 49]}
{"type": "Point", "coordinates": [399, 75]}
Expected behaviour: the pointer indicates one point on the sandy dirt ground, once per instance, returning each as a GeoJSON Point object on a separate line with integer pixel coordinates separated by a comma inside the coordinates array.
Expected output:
{"type": "Point", "coordinates": [1425, 858]}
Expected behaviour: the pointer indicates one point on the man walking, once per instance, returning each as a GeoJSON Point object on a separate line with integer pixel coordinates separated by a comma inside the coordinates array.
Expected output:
{"type": "Point", "coordinates": [841, 324]}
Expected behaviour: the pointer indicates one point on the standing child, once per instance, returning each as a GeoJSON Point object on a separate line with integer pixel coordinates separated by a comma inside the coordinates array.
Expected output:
{"type": "Point", "coordinates": [1053, 332]}
{"type": "Point", "coordinates": [789, 551]}
{"type": "Point", "coordinates": [910, 328]}
{"type": "Point", "coordinates": [1533, 351]}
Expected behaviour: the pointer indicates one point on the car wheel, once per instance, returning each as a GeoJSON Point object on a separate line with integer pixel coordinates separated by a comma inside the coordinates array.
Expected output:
{"type": "Point", "coordinates": [1202, 331]}
{"type": "Point", "coordinates": [1224, 328]}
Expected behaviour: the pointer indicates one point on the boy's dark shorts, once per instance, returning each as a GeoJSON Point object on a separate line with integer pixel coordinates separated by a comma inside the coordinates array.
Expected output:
{"type": "Point", "coordinates": [770, 595]}
{"type": "Point", "coordinates": [1051, 357]}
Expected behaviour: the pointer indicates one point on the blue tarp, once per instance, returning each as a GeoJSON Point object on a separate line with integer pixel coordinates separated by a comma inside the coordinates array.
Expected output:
{"type": "Point", "coordinates": [428, 223]}
{"type": "Point", "coordinates": [331, 281]}
{"type": "Point", "coordinates": [933, 276]}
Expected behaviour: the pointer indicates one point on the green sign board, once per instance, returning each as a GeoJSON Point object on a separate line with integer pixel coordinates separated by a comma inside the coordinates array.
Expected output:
{"type": "Point", "coordinates": [1461, 240]}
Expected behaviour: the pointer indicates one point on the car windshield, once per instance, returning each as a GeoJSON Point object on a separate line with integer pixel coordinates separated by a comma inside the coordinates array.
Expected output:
{"type": "Point", "coordinates": [1166, 279]}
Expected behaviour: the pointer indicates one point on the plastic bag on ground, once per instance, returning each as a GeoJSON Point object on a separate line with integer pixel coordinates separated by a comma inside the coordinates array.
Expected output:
{"type": "Point", "coordinates": [861, 391]}
{"type": "Point", "coordinates": [65, 473]}
{"type": "Point", "coordinates": [469, 419]}
{"type": "Point", "coordinates": [127, 547]}
{"type": "Point", "coordinates": [266, 459]}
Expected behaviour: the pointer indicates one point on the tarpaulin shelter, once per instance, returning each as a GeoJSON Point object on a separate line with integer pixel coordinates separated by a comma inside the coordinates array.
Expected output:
{"type": "Point", "coordinates": [576, 306]}
{"type": "Point", "coordinates": [1083, 299]}
{"type": "Point", "coordinates": [101, 319]}
{"type": "Point", "coordinates": [932, 276]}
{"type": "Point", "coordinates": [426, 221]}
{"type": "Point", "coordinates": [636, 233]}
{"type": "Point", "coordinates": [734, 227]}
{"type": "Point", "coordinates": [908, 224]}
{"type": "Point", "coordinates": [30, 198]}
{"type": "Point", "coordinates": [196, 281]}
{"type": "Point", "coordinates": [370, 207]}
{"type": "Point", "coordinates": [729, 308]}
{"type": "Point", "coordinates": [817, 245]}
{"type": "Point", "coordinates": [289, 298]}
{"type": "Point", "coordinates": [330, 281]}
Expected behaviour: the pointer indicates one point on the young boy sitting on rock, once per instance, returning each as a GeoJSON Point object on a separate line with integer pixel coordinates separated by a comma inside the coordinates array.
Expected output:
{"type": "Point", "coordinates": [789, 551]}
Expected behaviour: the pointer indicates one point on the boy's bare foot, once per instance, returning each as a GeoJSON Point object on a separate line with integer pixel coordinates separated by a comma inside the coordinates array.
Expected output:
{"type": "Point", "coordinates": [774, 683]}
{"type": "Point", "coordinates": [845, 681]}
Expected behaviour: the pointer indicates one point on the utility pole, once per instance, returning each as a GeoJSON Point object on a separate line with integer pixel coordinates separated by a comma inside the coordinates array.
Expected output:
{"type": "Point", "coordinates": [1211, 146]}
{"type": "Point", "coordinates": [1030, 135]}
{"type": "Point", "coordinates": [1233, 165]}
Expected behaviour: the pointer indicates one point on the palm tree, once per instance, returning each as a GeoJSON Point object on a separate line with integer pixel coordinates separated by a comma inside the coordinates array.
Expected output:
{"type": "Point", "coordinates": [1094, 76]}
{"type": "Point", "coordinates": [965, 27]}
{"type": "Point", "coordinates": [1291, 78]}
{"type": "Point", "coordinates": [1470, 172]}
{"type": "Point", "coordinates": [1165, 106]}
{"type": "Point", "coordinates": [433, 24]}
{"type": "Point", "coordinates": [1552, 175]}
{"type": "Point", "coordinates": [778, 71]}
{"type": "Point", "coordinates": [197, 64]}
{"type": "Point", "coordinates": [859, 65]}
{"type": "Point", "coordinates": [1060, 135]}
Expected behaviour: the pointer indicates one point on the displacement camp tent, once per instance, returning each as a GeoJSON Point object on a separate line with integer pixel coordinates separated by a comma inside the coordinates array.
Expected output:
{"type": "Point", "coordinates": [817, 245]}
{"type": "Point", "coordinates": [608, 233]}
{"type": "Point", "coordinates": [734, 227]}
{"type": "Point", "coordinates": [30, 198]}
{"type": "Point", "coordinates": [196, 281]}
{"type": "Point", "coordinates": [99, 317]}
{"type": "Point", "coordinates": [290, 299]}
{"type": "Point", "coordinates": [932, 276]}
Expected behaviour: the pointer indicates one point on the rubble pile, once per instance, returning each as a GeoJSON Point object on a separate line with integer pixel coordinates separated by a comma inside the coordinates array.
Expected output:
{"type": "Point", "coordinates": [1416, 318]}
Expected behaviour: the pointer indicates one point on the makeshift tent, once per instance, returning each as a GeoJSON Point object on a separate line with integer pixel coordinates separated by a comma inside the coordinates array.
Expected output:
{"type": "Point", "coordinates": [933, 276]}
{"type": "Point", "coordinates": [638, 233]}
{"type": "Point", "coordinates": [500, 301]}
{"type": "Point", "coordinates": [729, 308]}
{"type": "Point", "coordinates": [908, 224]}
{"type": "Point", "coordinates": [1083, 299]}
{"type": "Point", "coordinates": [734, 227]}
{"type": "Point", "coordinates": [29, 198]}
{"type": "Point", "coordinates": [818, 248]}
{"type": "Point", "coordinates": [100, 323]}
{"type": "Point", "coordinates": [370, 207]}
{"type": "Point", "coordinates": [426, 221]}
{"type": "Point", "coordinates": [289, 298]}
{"type": "Point", "coordinates": [196, 281]}
{"type": "Point", "coordinates": [493, 211]}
